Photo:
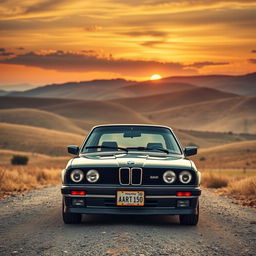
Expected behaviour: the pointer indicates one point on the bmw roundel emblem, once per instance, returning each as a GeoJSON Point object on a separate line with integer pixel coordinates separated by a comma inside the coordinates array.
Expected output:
{"type": "Point", "coordinates": [130, 162]}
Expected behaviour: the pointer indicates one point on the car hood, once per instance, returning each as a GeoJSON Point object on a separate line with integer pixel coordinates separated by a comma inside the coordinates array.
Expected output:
{"type": "Point", "coordinates": [130, 160]}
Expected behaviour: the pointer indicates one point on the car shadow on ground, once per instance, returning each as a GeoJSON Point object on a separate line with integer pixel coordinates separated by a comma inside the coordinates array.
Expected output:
{"type": "Point", "coordinates": [153, 220]}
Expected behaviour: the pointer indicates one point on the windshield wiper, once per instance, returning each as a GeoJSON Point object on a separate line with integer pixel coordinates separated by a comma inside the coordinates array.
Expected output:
{"type": "Point", "coordinates": [124, 149]}
{"type": "Point", "coordinates": [146, 148]}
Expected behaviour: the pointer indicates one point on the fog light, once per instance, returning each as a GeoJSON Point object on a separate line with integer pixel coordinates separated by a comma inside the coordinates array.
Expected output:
{"type": "Point", "coordinates": [182, 203]}
{"type": "Point", "coordinates": [78, 202]}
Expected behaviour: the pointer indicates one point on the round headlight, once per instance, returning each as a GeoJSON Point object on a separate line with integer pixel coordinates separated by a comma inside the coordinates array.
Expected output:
{"type": "Point", "coordinates": [76, 175]}
{"type": "Point", "coordinates": [92, 176]}
{"type": "Point", "coordinates": [169, 177]}
{"type": "Point", "coordinates": [185, 177]}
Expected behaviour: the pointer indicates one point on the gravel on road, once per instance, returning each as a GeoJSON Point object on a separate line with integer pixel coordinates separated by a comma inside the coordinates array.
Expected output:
{"type": "Point", "coordinates": [31, 224]}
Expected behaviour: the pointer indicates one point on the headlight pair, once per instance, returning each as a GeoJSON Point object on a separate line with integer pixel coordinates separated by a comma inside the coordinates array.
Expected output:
{"type": "Point", "coordinates": [77, 175]}
{"type": "Point", "coordinates": [169, 177]}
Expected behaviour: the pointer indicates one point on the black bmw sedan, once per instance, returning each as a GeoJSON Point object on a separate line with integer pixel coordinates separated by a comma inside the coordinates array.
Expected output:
{"type": "Point", "coordinates": [131, 169]}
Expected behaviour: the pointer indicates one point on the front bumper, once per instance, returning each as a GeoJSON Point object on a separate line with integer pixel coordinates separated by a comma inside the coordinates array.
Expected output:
{"type": "Point", "coordinates": [158, 200]}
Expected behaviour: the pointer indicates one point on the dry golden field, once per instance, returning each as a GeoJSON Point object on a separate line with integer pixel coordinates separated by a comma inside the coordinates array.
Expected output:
{"type": "Point", "coordinates": [41, 170]}
{"type": "Point", "coordinates": [20, 179]}
{"type": "Point", "coordinates": [238, 184]}
{"type": "Point", "coordinates": [232, 155]}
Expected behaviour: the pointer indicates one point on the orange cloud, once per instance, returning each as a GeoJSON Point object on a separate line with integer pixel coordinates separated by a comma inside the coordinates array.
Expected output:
{"type": "Point", "coordinates": [152, 36]}
{"type": "Point", "coordinates": [77, 62]}
{"type": "Point", "coordinates": [92, 28]}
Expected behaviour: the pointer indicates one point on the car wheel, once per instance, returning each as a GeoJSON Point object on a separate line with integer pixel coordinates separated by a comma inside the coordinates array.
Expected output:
{"type": "Point", "coordinates": [190, 219]}
{"type": "Point", "coordinates": [70, 218]}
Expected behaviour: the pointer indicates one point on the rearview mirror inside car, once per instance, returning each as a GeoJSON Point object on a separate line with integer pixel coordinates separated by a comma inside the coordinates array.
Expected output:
{"type": "Point", "coordinates": [131, 134]}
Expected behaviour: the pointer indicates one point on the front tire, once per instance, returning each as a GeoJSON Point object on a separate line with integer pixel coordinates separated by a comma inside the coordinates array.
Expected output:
{"type": "Point", "coordinates": [70, 218]}
{"type": "Point", "coordinates": [190, 219]}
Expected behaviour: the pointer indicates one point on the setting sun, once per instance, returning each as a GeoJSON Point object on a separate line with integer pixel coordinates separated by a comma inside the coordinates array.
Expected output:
{"type": "Point", "coordinates": [155, 77]}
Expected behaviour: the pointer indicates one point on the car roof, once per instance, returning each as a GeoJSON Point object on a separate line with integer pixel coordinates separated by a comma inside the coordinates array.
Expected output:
{"type": "Point", "coordinates": [147, 125]}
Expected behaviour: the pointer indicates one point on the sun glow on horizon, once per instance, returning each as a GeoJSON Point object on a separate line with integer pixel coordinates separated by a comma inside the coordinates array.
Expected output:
{"type": "Point", "coordinates": [155, 77]}
{"type": "Point", "coordinates": [45, 42]}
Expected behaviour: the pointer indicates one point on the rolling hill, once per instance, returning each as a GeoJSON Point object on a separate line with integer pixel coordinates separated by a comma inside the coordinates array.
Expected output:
{"type": "Point", "coordinates": [90, 111]}
{"type": "Point", "coordinates": [202, 109]}
{"type": "Point", "coordinates": [35, 159]}
{"type": "Point", "coordinates": [37, 140]}
{"type": "Point", "coordinates": [234, 155]}
{"type": "Point", "coordinates": [242, 85]}
{"type": "Point", "coordinates": [39, 118]}
{"type": "Point", "coordinates": [175, 99]}
{"type": "Point", "coordinates": [236, 114]}
{"type": "Point", "coordinates": [148, 88]}
{"type": "Point", "coordinates": [97, 112]}
{"type": "Point", "coordinates": [206, 139]}
{"type": "Point", "coordinates": [24, 138]}
{"type": "Point", "coordinates": [9, 102]}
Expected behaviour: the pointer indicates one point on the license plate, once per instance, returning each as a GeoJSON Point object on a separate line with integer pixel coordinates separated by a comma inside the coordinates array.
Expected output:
{"type": "Point", "coordinates": [130, 198]}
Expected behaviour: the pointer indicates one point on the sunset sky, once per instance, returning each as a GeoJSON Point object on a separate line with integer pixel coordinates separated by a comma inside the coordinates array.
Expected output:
{"type": "Point", "coordinates": [54, 41]}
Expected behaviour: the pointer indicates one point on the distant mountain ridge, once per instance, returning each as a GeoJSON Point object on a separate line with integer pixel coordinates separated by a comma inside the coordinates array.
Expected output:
{"type": "Point", "coordinates": [120, 88]}
{"type": "Point", "coordinates": [95, 89]}
{"type": "Point", "coordinates": [241, 85]}
{"type": "Point", "coordinates": [3, 92]}
{"type": "Point", "coordinates": [103, 89]}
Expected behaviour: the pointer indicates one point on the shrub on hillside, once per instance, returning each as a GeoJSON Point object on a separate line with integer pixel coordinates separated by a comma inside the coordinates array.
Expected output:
{"type": "Point", "coordinates": [19, 160]}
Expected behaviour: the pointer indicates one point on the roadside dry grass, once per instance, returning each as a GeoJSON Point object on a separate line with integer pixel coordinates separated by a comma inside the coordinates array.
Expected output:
{"type": "Point", "coordinates": [238, 185]}
{"type": "Point", "coordinates": [213, 180]}
{"type": "Point", "coordinates": [41, 171]}
{"type": "Point", "coordinates": [17, 179]}
{"type": "Point", "coordinates": [245, 186]}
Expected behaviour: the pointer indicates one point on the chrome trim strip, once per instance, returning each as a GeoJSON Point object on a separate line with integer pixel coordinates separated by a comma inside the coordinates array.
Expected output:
{"type": "Point", "coordinates": [141, 175]}
{"type": "Point", "coordinates": [113, 196]}
{"type": "Point", "coordinates": [120, 174]}
{"type": "Point", "coordinates": [69, 195]}
{"type": "Point", "coordinates": [84, 186]}
{"type": "Point", "coordinates": [171, 197]}
{"type": "Point", "coordinates": [105, 196]}
{"type": "Point", "coordinates": [95, 196]}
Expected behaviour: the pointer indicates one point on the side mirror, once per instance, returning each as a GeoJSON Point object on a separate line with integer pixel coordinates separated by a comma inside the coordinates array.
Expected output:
{"type": "Point", "coordinates": [73, 149]}
{"type": "Point", "coordinates": [190, 151]}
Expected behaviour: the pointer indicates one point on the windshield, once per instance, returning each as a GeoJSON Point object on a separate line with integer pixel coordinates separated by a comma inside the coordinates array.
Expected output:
{"type": "Point", "coordinates": [133, 138]}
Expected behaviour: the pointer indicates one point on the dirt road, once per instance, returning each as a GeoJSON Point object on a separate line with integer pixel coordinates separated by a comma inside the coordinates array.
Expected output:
{"type": "Point", "coordinates": [32, 225]}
